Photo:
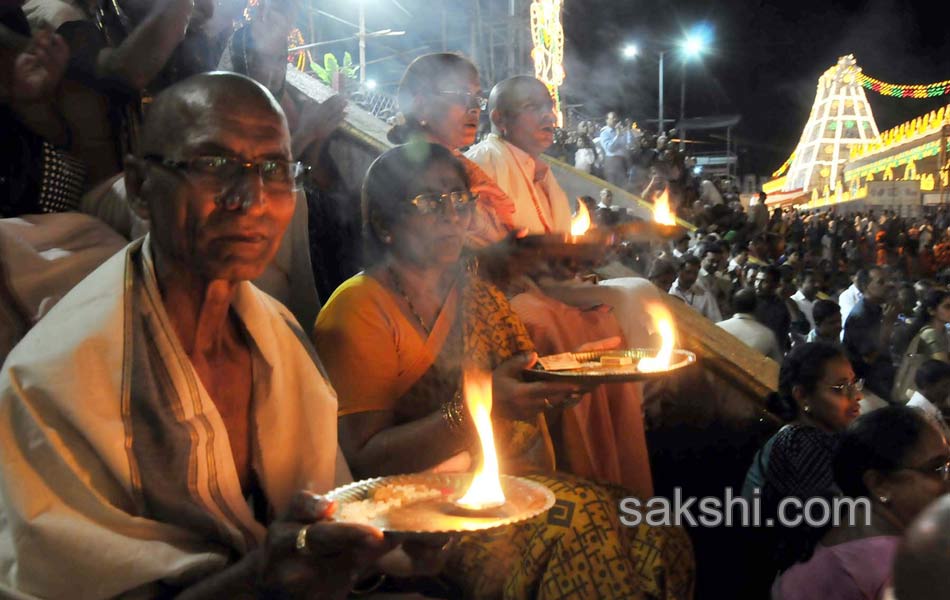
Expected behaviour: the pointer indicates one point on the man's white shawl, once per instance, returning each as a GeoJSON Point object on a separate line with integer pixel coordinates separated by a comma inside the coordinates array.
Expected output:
{"type": "Point", "coordinates": [116, 473]}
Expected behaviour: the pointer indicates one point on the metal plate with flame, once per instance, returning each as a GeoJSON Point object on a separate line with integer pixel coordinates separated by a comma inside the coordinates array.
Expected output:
{"type": "Point", "coordinates": [441, 515]}
{"type": "Point", "coordinates": [593, 372]}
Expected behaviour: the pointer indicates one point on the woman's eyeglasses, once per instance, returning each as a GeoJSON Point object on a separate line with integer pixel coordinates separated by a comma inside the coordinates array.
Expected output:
{"type": "Point", "coordinates": [942, 471]}
{"type": "Point", "coordinates": [848, 389]}
{"type": "Point", "coordinates": [466, 99]}
{"type": "Point", "coordinates": [427, 204]}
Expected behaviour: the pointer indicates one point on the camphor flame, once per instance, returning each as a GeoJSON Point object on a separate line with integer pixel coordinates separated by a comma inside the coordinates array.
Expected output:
{"type": "Point", "coordinates": [485, 490]}
{"type": "Point", "coordinates": [661, 209]}
{"type": "Point", "coordinates": [662, 322]}
{"type": "Point", "coordinates": [580, 222]}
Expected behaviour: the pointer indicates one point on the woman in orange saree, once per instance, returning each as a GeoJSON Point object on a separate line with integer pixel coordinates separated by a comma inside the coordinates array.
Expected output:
{"type": "Point", "coordinates": [603, 436]}
{"type": "Point", "coordinates": [394, 341]}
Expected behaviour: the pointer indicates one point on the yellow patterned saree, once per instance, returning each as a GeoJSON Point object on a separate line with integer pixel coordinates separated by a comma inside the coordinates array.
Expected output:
{"type": "Point", "coordinates": [377, 360]}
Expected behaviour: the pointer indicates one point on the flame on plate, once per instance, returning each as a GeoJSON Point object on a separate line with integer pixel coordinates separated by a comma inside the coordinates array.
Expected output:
{"type": "Point", "coordinates": [580, 222]}
{"type": "Point", "coordinates": [662, 322]}
{"type": "Point", "coordinates": [485, 490]}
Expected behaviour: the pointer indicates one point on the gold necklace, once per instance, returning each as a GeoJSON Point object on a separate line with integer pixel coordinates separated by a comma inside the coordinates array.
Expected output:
{"type": "Point", "coordinates": [397, 283]}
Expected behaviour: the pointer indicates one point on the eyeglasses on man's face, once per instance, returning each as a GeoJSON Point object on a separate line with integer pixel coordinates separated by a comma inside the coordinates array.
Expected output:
{"type": "Point", "coordinates": [466, 99]}
{"type": "Point", "coordinates": [848, 389]}
{"type": "Point", "coordinates": [219, 173]}
{"type": "Point", "coordinates": [427, 204]}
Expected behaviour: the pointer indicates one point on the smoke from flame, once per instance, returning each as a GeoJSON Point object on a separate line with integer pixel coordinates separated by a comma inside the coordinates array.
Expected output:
{"type": "Point", "coordinates": [661, 209]}
{"type": "Point", "coordinates": [485, 490]}
{"type": "Point", "coordinates": [662, 322]}
{"type": "Point", "coordinates": [580, 222]}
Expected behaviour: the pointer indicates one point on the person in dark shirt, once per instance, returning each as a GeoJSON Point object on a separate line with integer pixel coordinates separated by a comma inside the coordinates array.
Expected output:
{"type": "Point", "coordinates": [867, 332]}
{"type": "Point", "coordinates": [36, 175]}
{"type": "Point", "coordinates": [771, 310]}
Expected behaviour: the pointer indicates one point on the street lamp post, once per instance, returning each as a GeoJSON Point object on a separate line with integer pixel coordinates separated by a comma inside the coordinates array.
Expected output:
{"type": "Point", "coordinates": [631, 51]}
{"type": "Point", "coordinates": [659, 122]}
{"type": "Point", "coordinates": [679, 130]}
{"type": "Point", "coordinates": [691, 46]}
{"type": "Point", "coordinates": [362, 39]}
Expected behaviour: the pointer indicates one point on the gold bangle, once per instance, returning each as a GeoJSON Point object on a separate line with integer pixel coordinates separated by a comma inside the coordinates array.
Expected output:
{"type": "Point", "coordinates": [301, 543]}
{"type": "Point", "coordinates": [453, 413]}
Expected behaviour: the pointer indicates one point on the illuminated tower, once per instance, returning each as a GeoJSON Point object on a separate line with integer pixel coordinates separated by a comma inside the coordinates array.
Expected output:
{"type": "Point", "coordinates": [547, 35]}
{"type": "Point", "coordinates": [840, 118]}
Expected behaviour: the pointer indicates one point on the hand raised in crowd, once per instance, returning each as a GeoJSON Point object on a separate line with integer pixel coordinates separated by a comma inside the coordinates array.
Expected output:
{"type": "Point", "coordinates": [273, 23]}
{"type": "Point", "coordinates": [516, 398]}
{"type": "Point", "coordinates": [318, 121]}
{"type": "Point", "coordinates": [38, 70]}
{"type": "Point", "coordinates": [325, 561]}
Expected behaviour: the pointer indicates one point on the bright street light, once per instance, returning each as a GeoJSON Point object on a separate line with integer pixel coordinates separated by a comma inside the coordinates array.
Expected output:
{"type": "Point", "coordinates": [371, 84]}
{"type": "Point", "coordinates": [694, 45]}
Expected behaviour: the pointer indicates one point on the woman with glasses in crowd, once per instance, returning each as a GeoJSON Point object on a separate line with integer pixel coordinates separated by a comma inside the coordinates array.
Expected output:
{"type": "Point", "coordinates": [899, 462]}
{"type": "Point", "coordinates": [818, 394]}
{"type": "Point", "coordinates": [603, 437]}
{"type": "Point", "coordinates": [395, 340]}
{"type": "Point", "coordinates": [441, 101]}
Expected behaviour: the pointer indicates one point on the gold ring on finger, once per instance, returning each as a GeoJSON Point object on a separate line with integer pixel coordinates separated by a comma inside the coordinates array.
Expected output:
{"type": "Point", "coordinates": [301, 543]}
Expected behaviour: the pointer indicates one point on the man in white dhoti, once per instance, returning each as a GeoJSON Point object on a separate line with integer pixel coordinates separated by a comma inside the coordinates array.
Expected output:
{"type": "Point", "coordinates": [158, 425]}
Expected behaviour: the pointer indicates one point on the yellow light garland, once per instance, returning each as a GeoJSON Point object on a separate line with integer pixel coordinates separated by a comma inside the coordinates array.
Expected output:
{"type": "Point", "coordinates": [901, 90]}
{"type": "Point", "coordinates": [547, 35]}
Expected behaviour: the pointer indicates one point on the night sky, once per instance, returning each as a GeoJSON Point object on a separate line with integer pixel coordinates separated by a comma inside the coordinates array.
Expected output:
{"type": "Point", "coordinates": [764, 62]}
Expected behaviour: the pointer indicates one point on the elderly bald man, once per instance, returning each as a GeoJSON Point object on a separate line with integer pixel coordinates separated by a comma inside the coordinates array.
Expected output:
{"type": "Point", "coordinates": [523, 122]}
{"type": "Point", "coordinates": [602, 438]}
{"type": "Point", "coordinates": [158, 418]}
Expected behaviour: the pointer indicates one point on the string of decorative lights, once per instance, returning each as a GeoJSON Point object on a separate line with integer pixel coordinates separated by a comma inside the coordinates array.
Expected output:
{"type": "Point", "coordinates": [899, 90]}
{"type": "Point", "coordinates": [784, 168]}
{"type": "Point", "coordinates": [547, 35]}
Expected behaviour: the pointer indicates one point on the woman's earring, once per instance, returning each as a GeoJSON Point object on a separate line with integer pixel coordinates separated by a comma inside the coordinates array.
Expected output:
{"type": "Point", "coordinates": [808, 408]}
{"type": "Point", "coordinates": [884, 499]}
{"type": "Point", "coordinates": [387, 239]}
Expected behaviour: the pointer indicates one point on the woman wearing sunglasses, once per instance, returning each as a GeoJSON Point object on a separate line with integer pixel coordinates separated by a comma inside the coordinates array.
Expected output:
{"type": "Point", "coordinates": [394, 340]}
{"type": "Point", "coordinates": [896, 459]}
{"type": "Point", "coordinates": [818, 394]}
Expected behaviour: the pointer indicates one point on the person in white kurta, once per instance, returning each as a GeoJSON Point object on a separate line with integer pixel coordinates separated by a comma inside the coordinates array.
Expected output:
{"type": "Point", "coordinates": [541, 206]}
{"type": "Point", "coordinates": [746, 328]}
{"type": "Point", "coordinates": [606, 434]}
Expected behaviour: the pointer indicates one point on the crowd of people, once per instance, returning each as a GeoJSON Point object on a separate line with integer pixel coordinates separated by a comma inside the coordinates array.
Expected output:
{"type": "Point", "coordinates": [173, 410]}
{"type": "Point", "coordinates": [646, 164]}
{"type": "Point", "coordinates": [870, 282]}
